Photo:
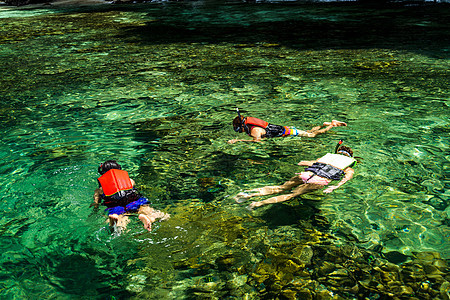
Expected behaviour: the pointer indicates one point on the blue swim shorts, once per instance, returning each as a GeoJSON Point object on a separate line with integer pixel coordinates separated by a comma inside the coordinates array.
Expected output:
{"type": "Point", "coordinates": [119, 210]}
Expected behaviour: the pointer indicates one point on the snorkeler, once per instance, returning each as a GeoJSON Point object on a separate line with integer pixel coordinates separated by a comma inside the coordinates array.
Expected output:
{"type": "Point", "coordinates": [259, 129]}
{"type": "Point", "coordinates": [116, 191]}
{"type": "Point", "coordinates": [318, 174]}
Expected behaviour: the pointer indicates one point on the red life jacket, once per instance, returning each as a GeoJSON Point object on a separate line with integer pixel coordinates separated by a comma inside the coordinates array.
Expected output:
{"type": "Point", "coordinates": [251, 122]}
{"type": "Point", "coordinates": [114, 181]}
{"type": "Point", "coordinates": [255, 122]}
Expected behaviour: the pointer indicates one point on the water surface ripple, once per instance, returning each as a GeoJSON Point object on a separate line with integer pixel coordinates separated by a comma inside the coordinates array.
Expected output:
{"type": "Point", "coordinates": [155, 87]}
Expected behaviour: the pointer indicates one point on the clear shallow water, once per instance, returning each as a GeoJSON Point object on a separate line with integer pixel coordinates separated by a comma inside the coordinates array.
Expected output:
{"type": "Point", "coordinates": [156, 86]}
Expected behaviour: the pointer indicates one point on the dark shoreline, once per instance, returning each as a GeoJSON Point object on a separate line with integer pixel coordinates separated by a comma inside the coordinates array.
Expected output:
{"type": "Point", "coordinates": [70, 3]}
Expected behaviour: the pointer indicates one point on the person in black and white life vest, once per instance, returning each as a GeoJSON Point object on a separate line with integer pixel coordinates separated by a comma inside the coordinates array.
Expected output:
{"type": "Point", "coordinates": [317, 175]}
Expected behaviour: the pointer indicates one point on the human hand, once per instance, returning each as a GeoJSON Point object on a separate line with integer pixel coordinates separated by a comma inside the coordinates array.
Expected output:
{"type": "Point", "coordinates": [303, 163]}
{"type": "Point", "coordinates": [94, 204]}
{"type": "Point", "coordinates": [232, 141]}
{"type": "Point", "coordinates": [330, 189]}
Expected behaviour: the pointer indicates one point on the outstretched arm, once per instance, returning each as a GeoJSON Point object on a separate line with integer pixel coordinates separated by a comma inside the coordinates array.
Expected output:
{"type": "Point", "coordinates": [348, 175]}
{"type": "Point", "coordinates": [256, 133]}
{"type": "Point", "coordinates": [97, 194]}
{"type": "Point", "coordinates": [255, 140]}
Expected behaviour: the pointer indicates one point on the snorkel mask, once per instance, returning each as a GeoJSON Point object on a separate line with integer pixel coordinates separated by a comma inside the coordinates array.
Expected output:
{"type": "Point", "coordinates": [341, 151]}
{"type": "Point", "coordinates": [239, 128]}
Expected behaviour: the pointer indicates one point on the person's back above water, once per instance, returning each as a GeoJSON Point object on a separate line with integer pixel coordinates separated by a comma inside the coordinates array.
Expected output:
{"type": "Point", "coordinates": [259, 129]}
{"type": "Point", "coordinates": [116, 191]}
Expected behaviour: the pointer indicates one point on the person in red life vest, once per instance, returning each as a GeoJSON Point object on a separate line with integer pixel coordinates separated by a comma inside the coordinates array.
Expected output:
{"type": "Point", "coordinates": [259, 129]}
{"type": "Point", "coordinates": [317, 175]}
{"type": "Point", "coordinates": [116, 191]}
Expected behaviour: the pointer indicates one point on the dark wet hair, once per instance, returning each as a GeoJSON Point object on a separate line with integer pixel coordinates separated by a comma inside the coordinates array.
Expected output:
{"type": "Point", "coordinates": [345, 149]}
{"type": "Point", "coordinates": [108, 165]}
{"type": "Point", "coordinates": [237, 124]}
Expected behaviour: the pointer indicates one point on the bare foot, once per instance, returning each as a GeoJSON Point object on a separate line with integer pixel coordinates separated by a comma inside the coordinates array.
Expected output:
{"type": "Point", "coordinates": [146, 221]}
{"type": "Point", "coordinates": [165, 217]}
{"type": "Point", "coordinates": [241, 197]}
{"type": "Point", "coordinates": [337, 123]}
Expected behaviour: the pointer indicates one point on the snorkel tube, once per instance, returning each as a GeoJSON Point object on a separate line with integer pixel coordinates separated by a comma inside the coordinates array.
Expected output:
{"type": "Point", "coordinates": [238, 129]}
{"type": "Point", "coordinates": [338, 145]}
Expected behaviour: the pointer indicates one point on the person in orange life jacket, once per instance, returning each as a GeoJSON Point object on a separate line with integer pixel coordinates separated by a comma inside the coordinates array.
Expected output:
{"type": "Point", "coordinates": [116, 191]}
{"type": "Point", "coordinates": [258, 129]}
{"type": "Point", "coordinates": [318, 174]}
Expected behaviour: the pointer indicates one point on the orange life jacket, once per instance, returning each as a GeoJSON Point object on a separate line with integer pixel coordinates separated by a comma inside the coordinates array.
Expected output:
{"type": "Point", "coordinates": [251, 122]}
{"type": "Point", "coordinates": [255, 122]}
{"type": "Point", "coordinates": [114, 181]}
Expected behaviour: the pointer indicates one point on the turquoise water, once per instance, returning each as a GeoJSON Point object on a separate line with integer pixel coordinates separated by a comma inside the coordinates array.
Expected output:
{"type": "Point", "coordinates": [155, 86]}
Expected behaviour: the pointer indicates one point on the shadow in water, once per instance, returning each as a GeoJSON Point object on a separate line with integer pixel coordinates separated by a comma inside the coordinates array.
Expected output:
{"type": "Point", "coordinates": [309, 26]}
{"type": "Point", "coordinates": [77, 273]}
{"type": "Point", "coordinates": [302, 211]}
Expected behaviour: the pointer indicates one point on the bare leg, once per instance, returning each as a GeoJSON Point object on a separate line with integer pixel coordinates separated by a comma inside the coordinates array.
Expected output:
{"type": "Point", "coordinates": [148, 215]}
{"type": "Point", "coordinates": [327, 126]}
{"type": "Point", "coordinates": [113, 219]}
{"type": "Point", "coordinates": [317, 127]}
{"type": "Point", "coordinates": [146, 221]}
{"type": "Point", "coordinates": [269, 190]}
{"type": "Point", "coordinates": [157, 214]}
{"type": "Point", "coordinates": [303, 189]}
{"type": "Point", "coordinates": [313, 133]}
{"type": "Point", "coordinates": [119, 221]}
